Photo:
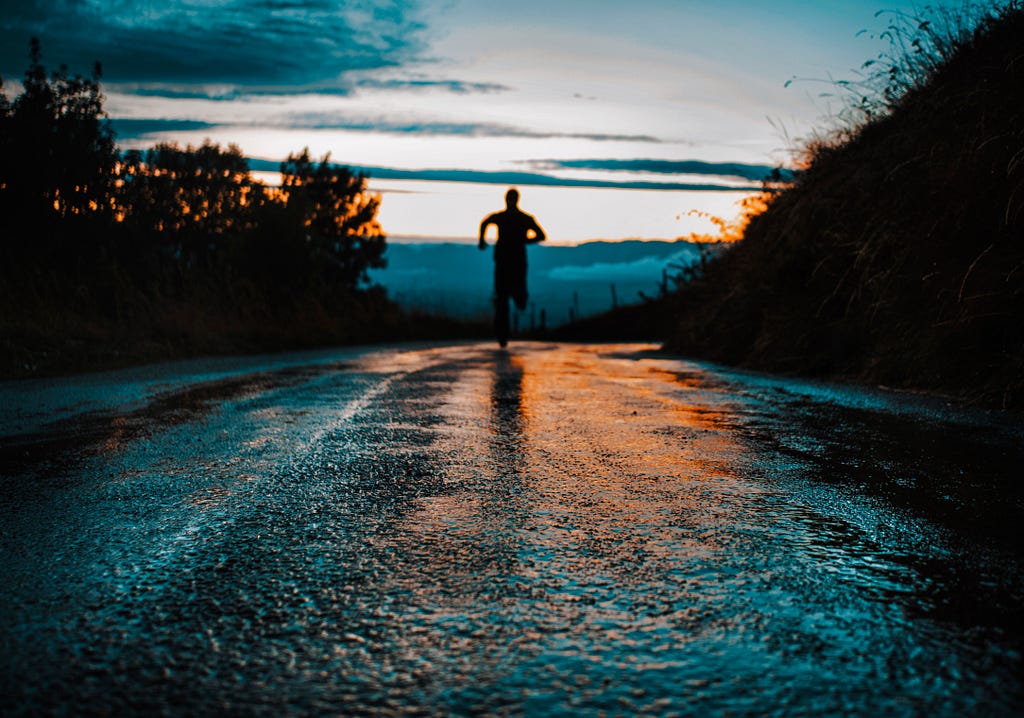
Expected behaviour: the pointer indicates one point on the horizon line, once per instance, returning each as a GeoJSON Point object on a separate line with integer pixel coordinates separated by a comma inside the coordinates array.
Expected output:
{"type": "Point", "coordinates": [424, 239]}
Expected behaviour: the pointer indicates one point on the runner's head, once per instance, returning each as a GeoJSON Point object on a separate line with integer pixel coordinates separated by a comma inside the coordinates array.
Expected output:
{"type": "Point", "coordinates": [512, 198]}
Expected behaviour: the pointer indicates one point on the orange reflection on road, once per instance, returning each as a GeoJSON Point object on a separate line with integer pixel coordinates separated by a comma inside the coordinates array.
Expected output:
{"type": "Point", "coordinates": [117, 436]}
{"type": "Point", "coordinates": [606, 411]}
{"type": "Point", "coordinates": [574, 480]}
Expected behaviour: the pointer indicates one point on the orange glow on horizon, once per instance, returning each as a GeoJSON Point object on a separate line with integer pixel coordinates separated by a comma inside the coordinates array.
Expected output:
{"type": "Point", "coordinates": [731, 230]}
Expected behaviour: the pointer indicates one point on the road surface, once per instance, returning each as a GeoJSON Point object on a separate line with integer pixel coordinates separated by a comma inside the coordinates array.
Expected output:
{"type": "Point", "coordinates": [551, 530]}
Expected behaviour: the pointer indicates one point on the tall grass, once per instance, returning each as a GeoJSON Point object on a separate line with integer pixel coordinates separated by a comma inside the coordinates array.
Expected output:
{"type": "Point", "coordinates": [896, 254]}
{"type": "Point", "coordinates": [918, 46]}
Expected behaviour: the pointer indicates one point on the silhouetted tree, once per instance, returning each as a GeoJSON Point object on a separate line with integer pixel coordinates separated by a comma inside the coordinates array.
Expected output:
{"type": "Point", "coordinates": [58, 152]}
{"type": "Point", "coordinates": [178, 241]}
{"type": "Point", "coordinates": [338, 216]}
{"type": "Point", "coordinates": [195, 202]}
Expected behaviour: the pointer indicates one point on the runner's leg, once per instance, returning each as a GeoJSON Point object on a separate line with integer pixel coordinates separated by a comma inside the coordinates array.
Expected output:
{"type": "Point", "coordinates": [520, 298]}
{"type": "Point", "coordinates": [501, 317]}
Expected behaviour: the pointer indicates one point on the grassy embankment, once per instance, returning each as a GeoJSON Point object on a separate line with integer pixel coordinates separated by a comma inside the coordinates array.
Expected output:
{"type": "Point", "coordinates": [897, 256]}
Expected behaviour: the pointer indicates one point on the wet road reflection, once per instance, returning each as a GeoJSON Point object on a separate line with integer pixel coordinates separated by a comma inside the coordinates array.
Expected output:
{"type": "Point", "coordinates": [551, 530]}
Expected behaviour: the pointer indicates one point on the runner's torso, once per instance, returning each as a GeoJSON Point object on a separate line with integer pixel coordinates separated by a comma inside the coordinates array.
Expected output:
{"type": "Point", "coordinates": [513, 227]}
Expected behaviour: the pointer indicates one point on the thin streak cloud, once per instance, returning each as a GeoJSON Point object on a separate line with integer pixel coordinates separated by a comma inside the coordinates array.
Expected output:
{"type": "Point", "coordinates": [331, 121]}
{"type": "Point", "coordinates": [512, 178]}
{"type": "Point", "coordinates": [458, 87]}
{"type": "Point", "coordinates": [753, 172]}
{"type": "Point", "coordinates": [126, 129]}
{"type": "Point", "coordinates": [130, 128]}
{"type": "Point", "coordinates": [341, 87]}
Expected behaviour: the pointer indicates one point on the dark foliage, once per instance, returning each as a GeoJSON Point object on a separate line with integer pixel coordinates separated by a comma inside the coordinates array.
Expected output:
{"type": "Point", "coordinates": [648, 321]}
{"type": "Point", "coordinates": [897, 256]}
{"type": "Point", "coordinates": [172, 251]}
{"type": "Point", "coordinates": [58, 155]}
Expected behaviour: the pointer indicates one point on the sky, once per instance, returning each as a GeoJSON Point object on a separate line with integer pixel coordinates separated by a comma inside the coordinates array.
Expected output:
{"type": "Point", "coordinates": [616, 120]}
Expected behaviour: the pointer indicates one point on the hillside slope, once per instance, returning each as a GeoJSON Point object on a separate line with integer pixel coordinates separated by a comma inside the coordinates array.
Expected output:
{"type": "Point", "coordinates": [897, 257]}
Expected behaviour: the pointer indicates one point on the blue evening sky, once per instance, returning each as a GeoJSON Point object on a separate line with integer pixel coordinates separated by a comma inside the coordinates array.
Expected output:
{"type": "Point", "coordinates": [672, 108]}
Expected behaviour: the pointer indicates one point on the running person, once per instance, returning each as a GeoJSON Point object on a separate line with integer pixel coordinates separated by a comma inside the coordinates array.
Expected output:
{"type": "Point", "coordinates": [516, 229]}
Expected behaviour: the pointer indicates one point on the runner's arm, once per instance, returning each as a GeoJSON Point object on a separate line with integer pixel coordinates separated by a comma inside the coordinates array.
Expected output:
{"type": "Point", "coordinates": [489, 219]}
{"type": "Point", "coordinates": [538, 233]}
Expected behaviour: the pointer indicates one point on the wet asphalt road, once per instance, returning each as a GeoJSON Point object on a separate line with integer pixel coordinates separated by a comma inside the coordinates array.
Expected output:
{"type": "Point", "coordinates": [552, 530]}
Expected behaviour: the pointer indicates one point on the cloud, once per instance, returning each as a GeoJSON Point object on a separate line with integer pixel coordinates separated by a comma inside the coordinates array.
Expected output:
{"type": "Point", "coordinates": [644, 269]}
{"type": "Point", "coordinates": [458, 87]}
{"type": "Point", "coordinates": [332, 121]}
{"type": "Point", "coordinates": [510, 178]}
{"type": "Point", "coordinates": [342, 86]}
{"type": "Point", "coordinates": [224, 93]}
{"type": "Point", "coordinates": [674, 167]}
{"type": "Point", "coordinates": [126, 129]}
{"type": "Point", "coordinates": [243, 42]}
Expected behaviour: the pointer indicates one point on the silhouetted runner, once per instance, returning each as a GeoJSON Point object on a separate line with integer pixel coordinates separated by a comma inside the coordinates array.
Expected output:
{"type": "Point", "coordinates": [514, 233]}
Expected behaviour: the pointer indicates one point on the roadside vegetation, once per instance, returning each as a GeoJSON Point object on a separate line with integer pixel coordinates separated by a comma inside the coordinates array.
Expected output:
{"type": "Point", "coordinates": [110, 258]}
{"type": "Point", "coordinates": [896, 256]}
